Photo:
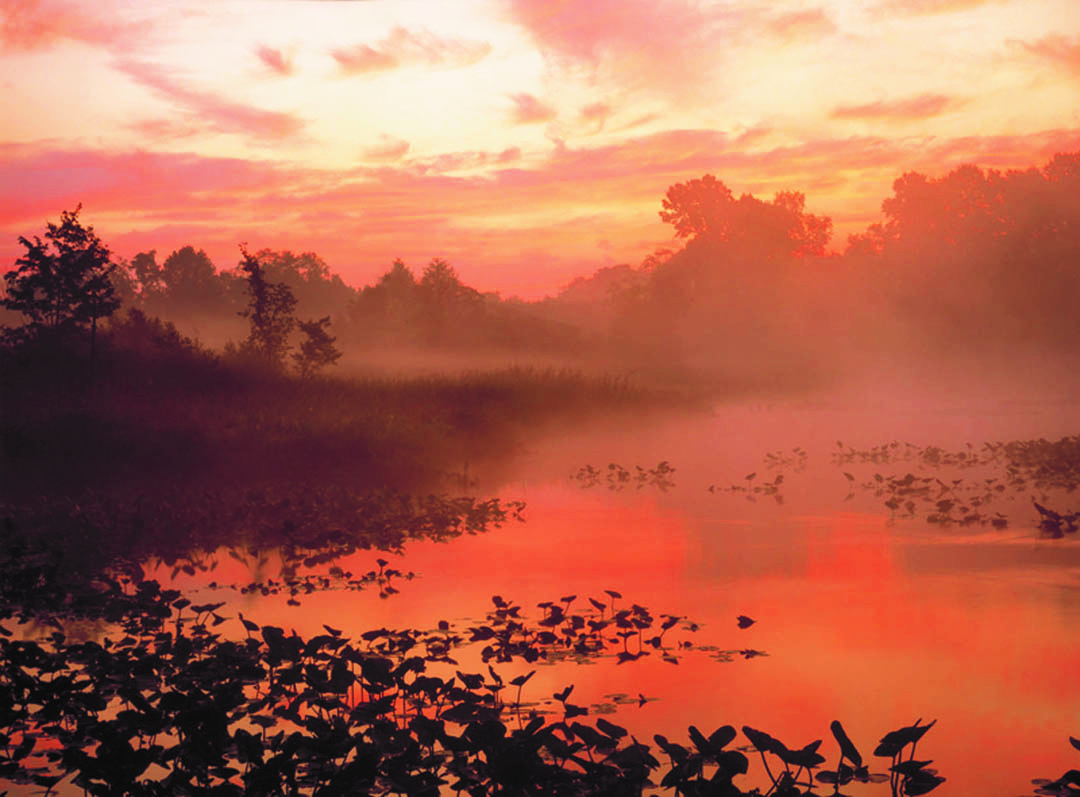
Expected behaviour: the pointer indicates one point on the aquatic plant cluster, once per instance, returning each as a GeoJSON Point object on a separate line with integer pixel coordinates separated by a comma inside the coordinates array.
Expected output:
{"type": "Point", "coordinates": [1038, 466]}
{"type": "Point", "coordinates": [616, 477]}
{"type": "Point", "coordinates": [169, 705]}
{"type": "Point", "coordinates": [751, 489]}
{"type": "Point", "coordinates": [304, 526]}
{"type": "Point", "coordinates": [1022, 466]}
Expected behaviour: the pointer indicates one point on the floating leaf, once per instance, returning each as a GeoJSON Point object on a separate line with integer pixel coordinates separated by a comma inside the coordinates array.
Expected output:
{"type": "Point", "coordinates": [847, 748]}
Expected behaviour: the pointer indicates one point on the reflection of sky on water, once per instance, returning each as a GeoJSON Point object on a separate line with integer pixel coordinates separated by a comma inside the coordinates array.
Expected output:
{"type": "Point", "coordinates": [872, 622]}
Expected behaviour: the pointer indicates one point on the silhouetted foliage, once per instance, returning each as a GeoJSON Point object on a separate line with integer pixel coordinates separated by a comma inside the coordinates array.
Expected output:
{"type": "Point", "coordinates": [707, 208]}
{"type": "Point", "coordinates": [979, 259]}
{"type": "Point", "coordinates": [318, 292]}
{"type": "Point", "coordinates": [270, 312]}
{"type": "Point", "coordinates": [450, 308]}
{"type": "Point", "coordinates": [387, 312]}
{"type": "Point", "coordinates": [134, 330]}
{"type": "Point", "coordinates": [62, 285]}
{"type": "Point", "coordinates": [317, 350]}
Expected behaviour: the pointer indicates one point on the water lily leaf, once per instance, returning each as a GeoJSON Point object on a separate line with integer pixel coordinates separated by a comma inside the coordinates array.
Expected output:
{"type": "Point", "coordinates": [732, 763]}
{"type": "Point", "coordinates": [847, 748]}
{"type": "Point", "coordinates": [521, 680]}
{"type": "Point", "coordinates": [910, 767]}
{"type": "Point", "coordinates": [763, 742]}
{"type": "Point", "coordinates": [923, 783]}
{"type": "Point", "coordinates": [806, 757]}
{"type": "Point", "coordinates": [611, 729]}
{"type": "Point", "coordinates": [895, 741]}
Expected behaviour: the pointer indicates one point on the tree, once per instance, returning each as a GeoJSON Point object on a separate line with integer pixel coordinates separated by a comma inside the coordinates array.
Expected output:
{"type": "Point", "coordinates": [697, 207]}
{"type": "Point", "coordinates": [706, 208]}
{"type": "Point", "coordinates": [451, 308]}
{"type": "Point", "coordinates": [270, 310]}
{"type": "Point", "coordinates": [148, 273]}
{"type": "Point", "coordinates": [63, 285]}
{"type": "Point", "coordinates": [316, 289]}
{"type": "Point", "coordinates": [317, 350]}
{"type": "Point", "coordinates": [191, 282]}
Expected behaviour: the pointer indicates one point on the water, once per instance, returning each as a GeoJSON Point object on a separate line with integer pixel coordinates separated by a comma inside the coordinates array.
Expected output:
{"type": "Point", "coordinates": [866, 618]}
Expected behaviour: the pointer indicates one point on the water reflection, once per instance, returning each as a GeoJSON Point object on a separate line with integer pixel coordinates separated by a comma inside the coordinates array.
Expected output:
{"type": "Point", "coordinates": [867, 614]}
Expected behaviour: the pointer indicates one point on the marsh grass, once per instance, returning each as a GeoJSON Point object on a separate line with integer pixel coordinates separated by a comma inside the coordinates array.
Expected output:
{"type": "Point", "coordinates": [134, 421]}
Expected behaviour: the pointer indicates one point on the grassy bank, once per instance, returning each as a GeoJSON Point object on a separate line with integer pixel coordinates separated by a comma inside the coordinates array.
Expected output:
{"type": "Point", "coordinates": [135, 423]}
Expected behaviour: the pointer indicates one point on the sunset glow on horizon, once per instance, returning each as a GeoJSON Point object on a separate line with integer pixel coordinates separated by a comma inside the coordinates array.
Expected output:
{"type": "Point", "coordinates": [528, 142]}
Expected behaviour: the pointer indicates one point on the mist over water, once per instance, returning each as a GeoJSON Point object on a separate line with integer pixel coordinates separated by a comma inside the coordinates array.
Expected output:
{"type": "Point", "coordinates": [868, 458]}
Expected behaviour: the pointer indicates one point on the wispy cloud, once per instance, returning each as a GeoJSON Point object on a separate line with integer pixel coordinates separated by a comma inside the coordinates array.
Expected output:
{"type": "Point", "coordinates": [1057, 49]}
{"type": "Point", "coordinates": [919, 7]}
{"type": "Point", "coordinates": [810, 24]}
{"type": "Point", "coordinates": [670, 47]}
{"type": "Point", "coordinates": [209, 108]}
{"type": "Point", "coordinates": [409, 48]}
{"type": "Point", "coordinates": [37, 24]}
{"type": "Point", "coordinates": [529, 110]}
{"type": "Point", "coordinates": [388, 149]}
{"type": "Point", "coordinates": [919, 107]}
{"type": "Point", "coordinates": [275, 60]}
{"type": "Point", "coordinates": [596, 114]}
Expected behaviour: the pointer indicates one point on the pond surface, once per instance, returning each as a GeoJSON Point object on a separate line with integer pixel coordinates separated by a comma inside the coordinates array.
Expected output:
{"type": "Point", "coordinates": [866, 615]}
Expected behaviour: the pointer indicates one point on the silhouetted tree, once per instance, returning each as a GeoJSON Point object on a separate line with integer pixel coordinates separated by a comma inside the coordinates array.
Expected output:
{"type": "Point", "coordinates": [63, 284]}
{"type": "Point", "coordinates": [190, 281]}
{"type": "Point", "coordinates": [706, 208]}
{"type": "Point", "coordinates": [270, 311]}
{"type": "Point", "coordinates": [148, 274]}
{"type": "Point", "coordinates": [317, 290]}
{"type": "Point", "coordinates": [317, 350]}
{"type": "Point", "coordinates": [451, 308]}
{"type": "Point", "coordinates": [980, 256]}
{"type": "Point", "coordinates": [387, 312]}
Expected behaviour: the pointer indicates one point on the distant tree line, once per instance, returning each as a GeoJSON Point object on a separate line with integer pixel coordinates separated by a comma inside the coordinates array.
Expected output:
{"type": "Point", "coordinates": [972, 260]}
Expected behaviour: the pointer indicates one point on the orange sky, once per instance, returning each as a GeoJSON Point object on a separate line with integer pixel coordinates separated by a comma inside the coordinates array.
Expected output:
{"type": "Point", "coordinates": [527, 141]}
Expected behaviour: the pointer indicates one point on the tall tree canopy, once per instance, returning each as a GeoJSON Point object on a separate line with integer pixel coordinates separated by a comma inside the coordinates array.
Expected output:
{"type": "Point", "coordinates": [706, 208]}
{"type": "Point", "coordinates": [270, 312]}
{"type": "Point", "coordinates": [62, 283]}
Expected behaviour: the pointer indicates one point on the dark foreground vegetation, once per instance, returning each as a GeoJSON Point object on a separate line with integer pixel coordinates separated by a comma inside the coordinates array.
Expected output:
{"type": "Point", "coordinates": [167, 702]}
{"type": "Point", "coordinates": [135, 420]}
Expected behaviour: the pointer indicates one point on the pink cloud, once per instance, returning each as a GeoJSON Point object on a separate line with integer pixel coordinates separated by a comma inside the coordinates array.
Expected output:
{"type": "Point", "coordinates": [919, 107]}
{"type": "Point", "coordinates": [1059, 50]}
{"type": "Point", "coordinates": [360, 219]}
{"type": "Point", "coordinates": [36, 182]}
{"type": "Point", "coordinates": [752, 134]}
{"type": "Point", "coordinates": [35, 24]}
{"type": "Point", "coordinates": [653, 44]}
{"type": "Point", "coordinates": [275, 60]}
{"type": "Point", "coordinates": [409, 48]}
{"type": "Point", "coordinates": [163, 129]}
{"type": "Point", "coordinates": [919, 7]}
{"type": "Point", "coordinates": [813, 23]}
{"type": "Point", "coordinates": [640, 121]}
{"type": "Point", "coordinates": [529, 110]}
{"type": "Point", "coordinates": [508, 155]}
{"type": "Point", "coordinates": [216, 112]}
{"type": "Point", "coordinates": [388, 149]}
{"type": "Point", "coordinates": [596, 114]}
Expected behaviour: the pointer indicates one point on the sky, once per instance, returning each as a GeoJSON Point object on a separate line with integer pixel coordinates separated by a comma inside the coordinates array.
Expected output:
{"type": "Point", "coordinates": [526, 141]}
